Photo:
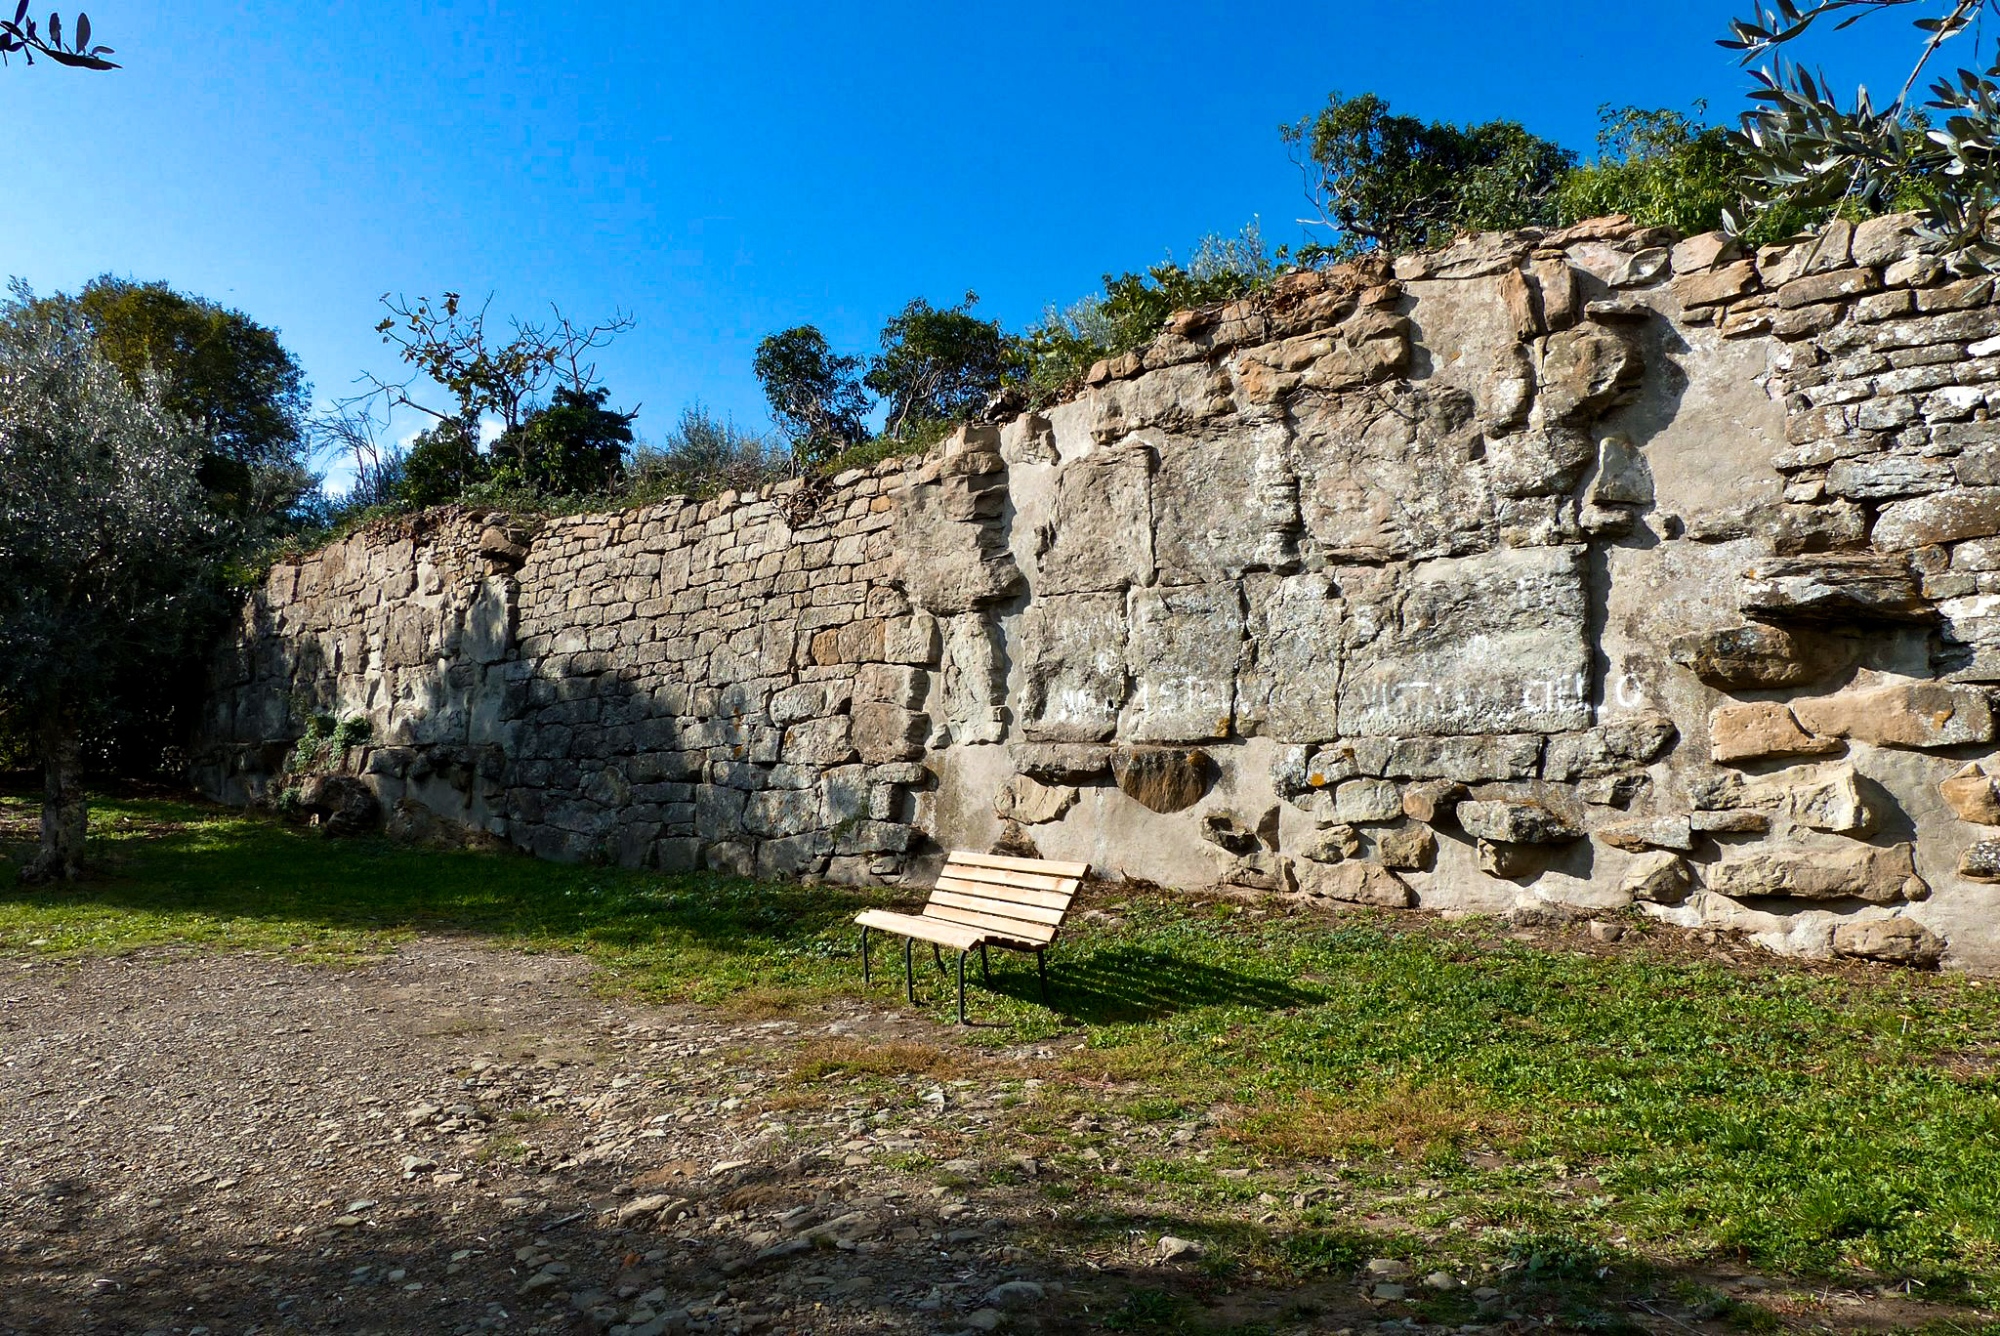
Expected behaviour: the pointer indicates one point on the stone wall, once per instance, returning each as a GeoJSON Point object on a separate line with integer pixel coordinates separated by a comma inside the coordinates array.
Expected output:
{"type": "Point", "coordinates": [1583, 569]}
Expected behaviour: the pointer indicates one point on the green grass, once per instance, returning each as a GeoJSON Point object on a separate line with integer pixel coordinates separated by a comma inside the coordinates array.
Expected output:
{"type": "Point", "coordinates": [1523, 1109]}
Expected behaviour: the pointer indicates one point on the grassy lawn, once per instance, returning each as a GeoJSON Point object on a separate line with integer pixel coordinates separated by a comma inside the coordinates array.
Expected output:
{"type": "Point", "coordinates": [1398, 1085]}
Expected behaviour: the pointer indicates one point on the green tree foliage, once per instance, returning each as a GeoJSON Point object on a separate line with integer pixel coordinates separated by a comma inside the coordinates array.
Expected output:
{"type": "Point", "coordinates": [112, 551]}
{"type": "Point", "coordinates": [702, 455]}
{"type": "Point", "coordinates": [1133, 307]}
{"type": "Point", "coordinates": [441, 465]}
{"type": "Point", "coordinates": [22, 36]}
{"type": "Point", "coordinates": [574, 446]}
{"type": "Point", "coordinates": [1400, 184]}
{"type": "Point", "coordinates": [218, 368]}
{"type": "Point", "coordinates": [816, 395]}
{"type": "Point", "coordinates": [1806, 153]}
{"type": "Point", "coordinates": [939, 366]}
{"type": "Point", "coordinates": [1666, 169]}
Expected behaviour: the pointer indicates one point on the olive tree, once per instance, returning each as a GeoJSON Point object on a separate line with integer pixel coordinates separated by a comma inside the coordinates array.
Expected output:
{"type": "Point", "coordinates": [110, 545]}
{"type": "Point", "coordinates": [1804, 150]}
{"type": "Point", "coordinates": [22, 36]}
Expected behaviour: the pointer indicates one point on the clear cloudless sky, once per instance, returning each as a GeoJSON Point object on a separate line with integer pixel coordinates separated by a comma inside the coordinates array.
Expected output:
{"type": "Point", "coordinates": [725, 170]}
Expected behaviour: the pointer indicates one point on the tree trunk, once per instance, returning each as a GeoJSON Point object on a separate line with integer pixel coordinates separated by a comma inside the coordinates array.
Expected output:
{"type": "Point", "coordinates": [65, 809]}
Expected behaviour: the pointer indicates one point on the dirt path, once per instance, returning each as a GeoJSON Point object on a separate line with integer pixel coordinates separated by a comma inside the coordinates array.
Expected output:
{"type": "Point", "coordinates": [462, 1139]}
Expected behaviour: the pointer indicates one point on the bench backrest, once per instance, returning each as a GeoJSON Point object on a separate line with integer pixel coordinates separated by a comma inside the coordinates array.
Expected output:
{"type": "Point", "coordinates": [1023, 898]}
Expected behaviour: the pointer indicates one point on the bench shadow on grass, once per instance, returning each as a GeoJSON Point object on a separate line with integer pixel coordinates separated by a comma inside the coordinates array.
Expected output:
{"type": "Point", "coordinates": [1118, 983]}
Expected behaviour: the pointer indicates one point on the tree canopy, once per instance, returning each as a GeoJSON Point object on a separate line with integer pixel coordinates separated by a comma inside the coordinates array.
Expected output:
{"type": "Point", "coordinates": [939, 365]}
{"type": "Point", "coordinates": [1380, 180]}
{"type": "Point", "coordinates": [112, 550]}
{"type": "Point", "coordinates": [816, 395]}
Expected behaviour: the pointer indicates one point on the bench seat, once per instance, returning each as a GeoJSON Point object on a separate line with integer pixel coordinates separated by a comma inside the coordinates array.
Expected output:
{"type": "Point", "coordinates": [983, 900]}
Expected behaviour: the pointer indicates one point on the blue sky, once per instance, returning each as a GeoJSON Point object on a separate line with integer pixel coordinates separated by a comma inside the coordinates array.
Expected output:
{"type": "Point", "coordinates": [723, 171]}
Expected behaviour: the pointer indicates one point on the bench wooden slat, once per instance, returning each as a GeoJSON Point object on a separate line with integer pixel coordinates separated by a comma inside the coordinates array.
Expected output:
{"type": "Point", "coordinates": [951, 881]}
{"type": "Point", "coordinates": [927, 928]}
{"type": "Point", "coordinates": [1025, 881]}
{"type": "Point", "coordinates": [1038, 934]}
{"type": "Point", "coordinates": [1044, 866]}
{"type": "Point", "coordinates": [997, 908]}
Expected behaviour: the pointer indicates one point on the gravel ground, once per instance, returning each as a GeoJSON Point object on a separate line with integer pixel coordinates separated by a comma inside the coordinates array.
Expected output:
{"type": "Point", "coordinates": [462, 1139]}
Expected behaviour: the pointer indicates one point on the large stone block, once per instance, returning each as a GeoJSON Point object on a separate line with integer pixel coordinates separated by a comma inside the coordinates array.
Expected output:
{"type": "Point", "coordinates": [1183, 654]}
{"type": "Point", "coordinates": [1100, 537]}
{"type": "Point", "coordinates": [1073, 667]}
{"type": "Point", "coordinates": [1903, 714]}
{"type": "Point", "coordinates": [1894, 941]}
{"type": "Point", "coordinates": [1832, 588]}
{"type": "Point", "coordinates": [1163, 779]}
{"type": "Point", "coordinates": [1758, 656]}
{"type": "Point", "coordinates": [1489, 644]}
{"type": "Point", "coordinates": [1356, 883]}
{"type": "Point", "coordinates": [1757, 729]}
{"type": "Point", "coordinates": [1394, 477]}
{"type": "Point", "coordinates": [1290, 689]}
{"type": "Point", "coordinates": [1516, 821]}
{"type": "Point", "coordinates": [1947, 516]}
{"type": "Point", "coordinates": [1798, 872]}
{"type": "Point", "coordinates": [882, 732]}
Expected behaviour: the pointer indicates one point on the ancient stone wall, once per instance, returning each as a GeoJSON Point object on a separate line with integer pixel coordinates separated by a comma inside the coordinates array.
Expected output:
{"type": "Point", "coordinates": [1586, 569]}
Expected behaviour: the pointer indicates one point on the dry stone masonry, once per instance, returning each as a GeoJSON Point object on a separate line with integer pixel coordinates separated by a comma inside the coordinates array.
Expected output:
{"type": "Point", "coordinates": [1587, 569]}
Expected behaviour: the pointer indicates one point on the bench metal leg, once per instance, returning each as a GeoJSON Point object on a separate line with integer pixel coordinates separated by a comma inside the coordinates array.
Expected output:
{"type": "Point", "coordinates": [1042, 969]}
{"type": "Point", "coordinates": [961, 985]}
{"type": "Point", "coordinates": [937, 958]}
{"type": "Point", "coordinates": [910, 968]}
{"type": "Point", "coordinates": [865, 980]}
{"type": "Point", "coordinates": [985, 974]}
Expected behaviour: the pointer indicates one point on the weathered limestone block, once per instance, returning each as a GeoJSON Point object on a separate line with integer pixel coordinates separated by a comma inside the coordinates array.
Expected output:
{"type": "Point", "coordinates": [1947, 516]}
{"type": "Point", "coordinates": [794, 856]}
{"type": "Point", "coordinates": [1226, 505]}
{"type": "Point", "coordinates": [1411, 848]}
{"type": "Point", "coordinates": [1100, 537]}
{"type": "Point", "coordinates": [1163, 779]}
{"type": "Point", "coordinates": [1981, 862]}
{"type": "Point", "coordinates": [1432, 799]}
{"type": "Point", "coordinates": [1481, 645]}
{"type": "Point", "coordinates": [1586, 371]}
{"type": "Point", "coordinates": [1185, 647]}
{"type": "Point", "coordinates": [966, 563]}
{"type": "Point", "coordinates": [1847, 872]}
{"type": "Point", "coordinates": [974, 678]}
{"type": "Point", "coordinates": [1833, 588]}
{"type": "Point", "coordinates": [1538, 462]}
{"type": "Point", "coordinates": [1389, 476]}
{"type": "Point", "coordinates": [781, 812]}
{"type": "Point", "coordinates": [1367, 801]}
{"type": "Point", "coordinates": [1033, 803]}
{"type": "Point", "coordinates": [1664, 832]}
{"type": "Point", "coordinates": [895, 683]}
{"type": "Point", "coordinates": [1332, 844]}
{"type": "Point", "coordinates": [1223, 830]}
{"type": "Point", "coordinates": [1971, 794]}
{"type": "Point", "coordinates": [1757, 729]}
{"type": "Point", "coordinates": [1262, 871]}
{"type": "Point", "coordinates": [1061, 762]}
{"type": "Point", "coordinates": [822, 741]}
{"type": "Point", "coordinates": [882, 732]}
{"type": "Point", "coordinates": [1718, 286]}
{"type": "Point", "coordinates": [1831, 798]}
{"type": "Point", "coordinates": [1290, 690]}
{"type": "Point", "coordinates": [1894, 941]}
{"type": "Point", "coordinates": [1660, 877]}
{"type": "Point", "coordinates": [1903, 714]}
{"type": "Point", "coordinates": [1759, 656]}
{"type": "Point", "coordinates": [1356, 883]}
{"type": "Point", "coordinates": [1608, 748]}
{"type": "Point", "coordinates": [1073, 656]}
{"type": "Point", "coordinates": [1516, 821]}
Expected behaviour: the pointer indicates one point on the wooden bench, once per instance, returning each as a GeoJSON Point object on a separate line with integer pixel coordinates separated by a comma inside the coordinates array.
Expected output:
{"type": "Point", "coordinates": [982, 900]}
